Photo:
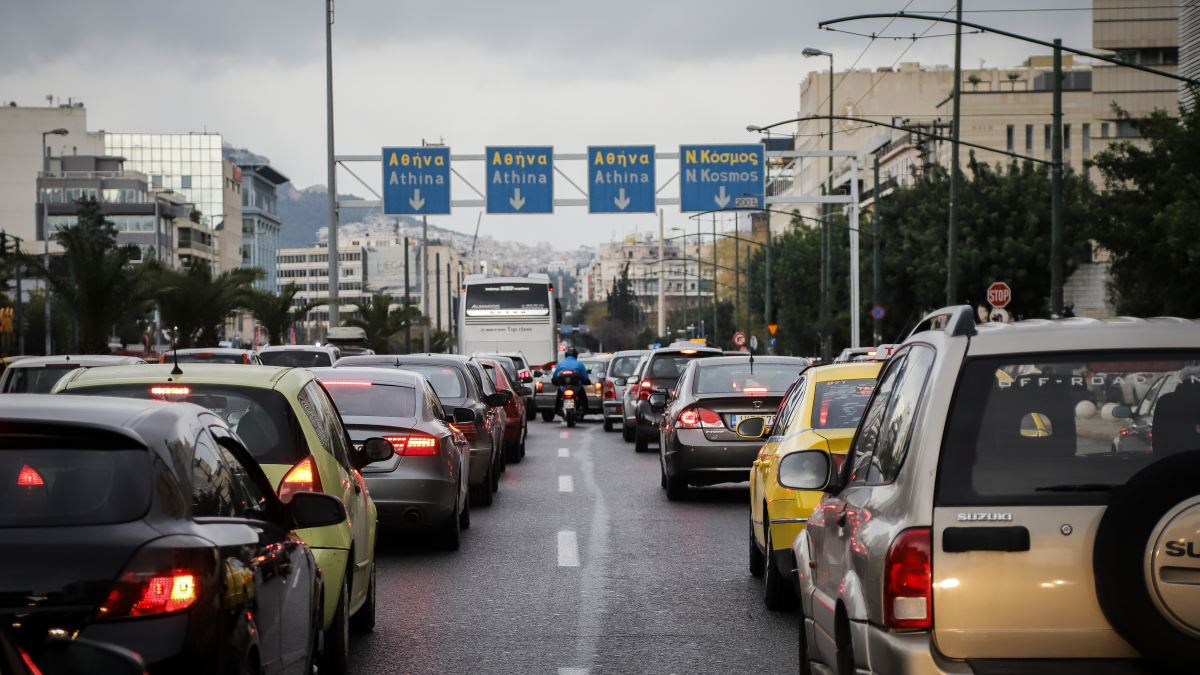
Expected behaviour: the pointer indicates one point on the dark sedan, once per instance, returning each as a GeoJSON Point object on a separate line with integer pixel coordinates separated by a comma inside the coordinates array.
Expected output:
{"type": "Point", "coordinates": [150, 527]}
{"type": "Point", "coordinates": [661, 372]}
{"type": "Point", "coordinates": [460, 383]}
{"type": "Point", "coordinates": [424, 483]}
{"type": "Point", "coordinates": [699, 443]}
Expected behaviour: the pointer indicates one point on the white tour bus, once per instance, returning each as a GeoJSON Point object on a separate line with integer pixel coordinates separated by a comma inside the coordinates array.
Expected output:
{"type": "Point", "coordinates": [510, 314]}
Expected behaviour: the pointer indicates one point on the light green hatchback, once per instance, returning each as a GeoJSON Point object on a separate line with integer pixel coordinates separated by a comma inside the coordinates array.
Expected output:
{"type": "Point", "coordinates": [290, 424]}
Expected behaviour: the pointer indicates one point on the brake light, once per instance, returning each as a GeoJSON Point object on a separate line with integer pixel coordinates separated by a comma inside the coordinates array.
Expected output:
{"type": "Point", "coordinates": [568, 393]}
{"type": "Point", "coordinates": [908, 581]}
{"type": "Point", "coordinates": [29, 477]}
{"type": "Point", "coordinates": [467, 430]}
{"type": "Point", "coordinates": [414, 444]}
{"type": "Point", "coordinates": [302, 477]}
{"type": "Point", "coordinates": [610, 389]}
{"type": "Point", "coordinates": [524, 375]}
{"type": "Point", "coordinates": [824, 411]}
{"type": "Point", "coordinates": [644, 389]}
{"type": "Point", "coordinates": [346, 383]}
{"type": "Point", "coordinates": [246, 359]}
{"type": "Point", "coordinates": [164, 577]}
{"type": "Point", "coordinates": [696, 418]}
{"type": "Point", "coordinates": [755, 391]}
{"type": "Point", "coordinates": [538, 386]}
{"type": "Point", "coordinates": [597, 387]}
{"type": "Point", "coordinates": [170, 391]}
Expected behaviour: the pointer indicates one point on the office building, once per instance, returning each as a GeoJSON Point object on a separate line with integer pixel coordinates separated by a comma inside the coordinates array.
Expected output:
{"type": "Point", "coordinates": [1189, 48]}
{"type": "Point", "coordinates": [1145, 32]}
{"type": "Point", "coordinates": [260, 220]}
{"type": "Point", "coordinates": [640, 255]}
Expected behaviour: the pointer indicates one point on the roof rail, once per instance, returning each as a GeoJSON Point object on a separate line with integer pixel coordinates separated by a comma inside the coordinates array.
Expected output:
{"type": "Point", "coordinates": [956, 321]}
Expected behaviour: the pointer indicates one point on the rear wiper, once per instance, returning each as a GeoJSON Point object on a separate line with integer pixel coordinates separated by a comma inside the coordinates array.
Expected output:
{"type": "Point", "coordinates": [1077, 487]}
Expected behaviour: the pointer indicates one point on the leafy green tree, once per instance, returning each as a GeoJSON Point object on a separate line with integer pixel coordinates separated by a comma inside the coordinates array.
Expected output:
{"type": "Point", "coordinates": [197, 302]}
{"type": "Point", "coordinates": [278, 312]}
{"type": "Point", "coordinates": [94, 277]}
{"type": "Point", "coordinates": [1148, 216]}
{"type": "Point", "coordinates": [384, 325]}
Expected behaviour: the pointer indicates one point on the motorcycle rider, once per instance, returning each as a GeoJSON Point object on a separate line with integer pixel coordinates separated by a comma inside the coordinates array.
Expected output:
{"type": "Point", "coordinates": [570, 362]}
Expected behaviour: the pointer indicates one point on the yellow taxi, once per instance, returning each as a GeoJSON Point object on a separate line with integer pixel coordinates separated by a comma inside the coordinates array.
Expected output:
{"type": "Point", "coordinates": [820, 411]}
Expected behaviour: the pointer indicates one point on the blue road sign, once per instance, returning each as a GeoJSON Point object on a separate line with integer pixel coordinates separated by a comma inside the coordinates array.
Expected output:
{"type": "Point", "coordinates": [520, 179]}
{"type": "Point", "coordinates": [416, 181]}
{"type": "Point", "coordinates": [878, 312]}
{"type": "Point", "coordinates": [729, 176]}
{"type": "Point", "coordinates": [621, 179]}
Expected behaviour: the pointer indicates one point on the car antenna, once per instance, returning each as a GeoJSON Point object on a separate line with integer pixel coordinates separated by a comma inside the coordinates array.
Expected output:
{"type": "Point", "coordinates": [176, 371]}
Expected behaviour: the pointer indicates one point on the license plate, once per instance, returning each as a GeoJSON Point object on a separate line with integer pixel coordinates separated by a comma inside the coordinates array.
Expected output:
{"type": "Point", "coordinates": [768, 420]}
{"type": "Point", "coordinates": [569, 404]}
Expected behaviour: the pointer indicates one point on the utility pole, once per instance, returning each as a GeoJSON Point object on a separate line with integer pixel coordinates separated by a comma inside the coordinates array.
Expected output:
{"type": "Point", "coordinates": [699, 280]}
{"type": "Point", "coordinates": [407, 303]}
{"type": "Point", "coordinates": [1056, 190]}
{"type": "Point", "coordinates": [737, 271]}
{"type": "Point", "coordinates": [876, 216]}
{"type": "Point", "coordinates": [425, 283]}
{"type": "Point", "coordinates": [955, 132]}
{"type": "Point", "coordinates": [332, 239]}
{"type": "Point", "coordinates": [662, 294]}
{"type": "Point", "coordinates": [716, 328]}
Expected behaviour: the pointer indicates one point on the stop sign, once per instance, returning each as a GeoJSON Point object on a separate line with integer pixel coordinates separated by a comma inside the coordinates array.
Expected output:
{"type": "Point", "coordinates": [999, 295]}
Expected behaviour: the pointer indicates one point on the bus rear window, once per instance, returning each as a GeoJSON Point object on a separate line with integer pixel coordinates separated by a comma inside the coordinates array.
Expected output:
{"type": "Point", "coordinates": [516, 299]}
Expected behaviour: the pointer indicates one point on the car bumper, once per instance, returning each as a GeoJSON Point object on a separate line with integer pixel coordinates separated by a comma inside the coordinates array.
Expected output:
{"type": "Point", "coordinates": [613, 410]}
{"type": "Point", "coordinates": [706, 463]}
{"type": "Point", "coordinates": [412, 499]}
{"type": "Point", "coordinates": [164, 643]}
{"type": "Point", "coordinates": [545, 401]}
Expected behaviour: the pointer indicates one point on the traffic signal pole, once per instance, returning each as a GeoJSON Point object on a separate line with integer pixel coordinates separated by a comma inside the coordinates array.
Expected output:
{"type": "Point", "coordinates": [1056, 190]}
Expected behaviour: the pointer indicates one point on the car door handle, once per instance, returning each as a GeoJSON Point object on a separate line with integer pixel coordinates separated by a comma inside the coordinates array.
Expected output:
{"type": "Point", "coordinates": [963, 539]}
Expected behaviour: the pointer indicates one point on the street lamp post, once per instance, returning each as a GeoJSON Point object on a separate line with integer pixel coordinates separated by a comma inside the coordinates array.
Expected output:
{"type": "Point", "coordinates": [46, 232]}
{"type": "Point", "coordinates": [826, 345]}
{"type": "Point", "coordinates": [955, 132]}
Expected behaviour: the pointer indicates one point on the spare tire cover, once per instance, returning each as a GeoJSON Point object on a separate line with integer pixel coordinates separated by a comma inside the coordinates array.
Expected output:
{"type": "Point", "coordinates": [1147, 561]}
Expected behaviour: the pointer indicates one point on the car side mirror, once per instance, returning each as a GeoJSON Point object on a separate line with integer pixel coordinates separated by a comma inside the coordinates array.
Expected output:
{"type": "Point", "coordinates": [62, 656]}
{"type": "Point", "coordinates": [805, 470]}
{"type": "Point", "coordinates": [751, 427]}
{"type": "Point", "coordinates": [377, 450]}
{"type": "Point", "coordinates": [464, 416]}
{"type": "Point", "coordinates": [658, 400]}
{"type": "Point", "coordinates": [313, 509]}
{"type": "Point", "coordinates": [496, 400]}
{"type": "Point", "coordinates": [538, 373]}
{"type": "Point", "coordinates": [526, 391]}
{"type": "Point", "coordinates": [1122, 412]}
{"type": "Point", "coordinates": [618, 381]}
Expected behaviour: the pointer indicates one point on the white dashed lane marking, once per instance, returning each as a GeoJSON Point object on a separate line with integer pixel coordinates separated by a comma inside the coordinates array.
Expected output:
{"type": "Point", "coordinates": [568, 549]}
{"type": "Point", "coordinates": [566, 484]}
{"type": "Point", "coordinates": [564, 452]}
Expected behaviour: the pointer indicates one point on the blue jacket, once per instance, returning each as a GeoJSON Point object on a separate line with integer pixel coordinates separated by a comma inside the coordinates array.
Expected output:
{"type": "Point", "coordinates": [571, 363]}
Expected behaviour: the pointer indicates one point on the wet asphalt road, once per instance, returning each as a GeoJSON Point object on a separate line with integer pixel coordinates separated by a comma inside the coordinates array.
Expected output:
{"type": "Point", "coordinates": [580, 566]}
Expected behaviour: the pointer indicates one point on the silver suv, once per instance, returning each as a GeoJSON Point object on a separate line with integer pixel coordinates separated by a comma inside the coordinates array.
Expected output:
{"type": "Point", "coordinates": [984, 520]}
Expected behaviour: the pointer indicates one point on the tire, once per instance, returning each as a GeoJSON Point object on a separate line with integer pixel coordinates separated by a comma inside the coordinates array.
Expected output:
{"type": "Point", "coordinates": [640, 442]}
{"type": "Point", "coordinates": [312, 661]}
{"type": "Point", "coordinates": [449, 534]}
{"type": "Point", "coordinates": [524, 437]}
{"type": "Point", "coordinates": [802, 646]}
{"type": "Point", "coordinates": [497, 469]}
{"type": "Point", "coordinates": [336, 654]}
{"type": "Point", "coordinates": [627, 432]}
{"type": "Point", "coordinates": [547, 415]}
{"type": "Point", "coordinates": [481, 495]}
{"type": "Point", "coordinates": [512, 453]}
{"type": "Point", "coordinates": [677, 488]}
{"type": "Point", "coordinates": [757, 559]}
{"type": "Point", "coordinates": [464, 516]}
{"type": "Point", "coordinates": [778, 594]}
{"type": "Point", "coordinates": [608, 425]}
{"type": "Point", "coordinates": [530, 412]}
{"type": "Point", "coordinates": [363, 620]}
{"type": "Point", "coordinates": [570, 418]}
{"type": "Point", "coordinates": [1124, 587]}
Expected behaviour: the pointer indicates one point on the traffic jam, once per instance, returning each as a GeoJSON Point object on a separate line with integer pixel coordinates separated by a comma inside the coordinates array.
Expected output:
{"type": "Point", "coordinates": [981, 498]}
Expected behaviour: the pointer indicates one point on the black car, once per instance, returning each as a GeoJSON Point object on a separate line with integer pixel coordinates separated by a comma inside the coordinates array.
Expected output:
{"type": "Point", "coordinates": [459, 383]}
{"type": "Point", "coordinates": [699, 442]}
{"type": "Point", "coordinates": [520, 375]}
{"type": "Point", "coordinates": [661, 373]}
{"type": "Point", "coordinates": [150, 527]}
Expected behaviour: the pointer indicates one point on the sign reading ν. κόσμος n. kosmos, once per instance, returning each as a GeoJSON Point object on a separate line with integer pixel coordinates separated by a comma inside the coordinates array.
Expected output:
{"type": "Point", "coordinates": [520, 179]}
{"type": "Point", "coordinates": [416, 181]}
{"type": "Point", "coordinates": [715, 177]}
{"type": "Point", "coordinates": [621, 179]}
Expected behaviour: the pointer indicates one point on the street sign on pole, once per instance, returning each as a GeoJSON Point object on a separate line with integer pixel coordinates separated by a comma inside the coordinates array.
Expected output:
{"type": "Point", "coordinates": [621, 179]}
{"type": "Point", "coordinates": [772, 328]}
{"type": "Point", "coordinates": [714, 177]}
{"type": "Point", "coordinates": [416, 181]}
{"type": "Point", "coordinates": [999, 294]}
{"type": "Point", "coordinates": [878, 312]}
{"type": "Point", "coordinates": [520, 179]}
{"type": "Point", "coordinates": [739, 339]}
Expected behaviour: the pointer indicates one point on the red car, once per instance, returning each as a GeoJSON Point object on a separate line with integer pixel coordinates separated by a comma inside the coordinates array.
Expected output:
{"type": "Point", "coordinates": [516, 427]}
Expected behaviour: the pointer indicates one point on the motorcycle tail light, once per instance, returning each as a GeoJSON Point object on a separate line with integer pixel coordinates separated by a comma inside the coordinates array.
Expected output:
{"type": "Point", "coordinates": [569, 393]}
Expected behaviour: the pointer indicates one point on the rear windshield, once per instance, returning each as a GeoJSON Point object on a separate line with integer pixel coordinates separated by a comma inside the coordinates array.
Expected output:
{"type": "Point", "coordinates": [741, 378]}
{"type": "Point", "coordinates": [1065, 429]}
{"type": "Point", "coordinates": [595, 368]}
{"type": "Point", "coordinates": [839, 404]}
{"type": "Point", "coordinates": [622, 366]}
{"type": "Point", "coordinates": [360, 398]}
{"type": "Point", "coordinates": [296, 359]}
{"type": "Point", "coordinates": [447, 381]}
{"type": "Point", "coordinates": [207, 357]}
{"type": "Point", "coordinates": [51, 487]}
{"type": "Point", "coordinates": [671, 366]}
{"type": "Point", "coordinates": [39, 380]}
{"type": "Point", "coordinates": [510, 299]}
{"type": "Point", "coordinates": [262, 418]}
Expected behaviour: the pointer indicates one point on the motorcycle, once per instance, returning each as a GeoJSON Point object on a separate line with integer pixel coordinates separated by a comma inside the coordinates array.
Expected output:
{"type": "Point", "coordinates": [572, 398]}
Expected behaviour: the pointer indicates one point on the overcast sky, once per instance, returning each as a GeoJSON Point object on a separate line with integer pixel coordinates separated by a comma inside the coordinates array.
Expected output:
{"type": "Point", "coordinates": [567, 73]}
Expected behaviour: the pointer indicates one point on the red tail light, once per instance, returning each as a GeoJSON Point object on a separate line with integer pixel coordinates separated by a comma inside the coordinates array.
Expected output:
{"type": "Point", "coordinates": [414, 444]}
{"type": "Point", "coordinates": [29, 477]}
{"type": "Point", "coordinates": [246, 359]}
{"type": "Point", "coordinates": [610, 389]}
{"type": "Point", "coordinates": [597, 387]}
{"type": "Point", "coordinates": [755, 391]}
{"type": "Point", "coordinates": [824, 411]}
{"type": "Point", "coordinates": [568, 393]}
{"type": "Point", "coordinates": [644, 390]}
{"type": "Point", "coordinates": [166, 576]}
{"type": "Point", "coordinates": [908, 581]}
{"type": "Point", "coordinates": [467, 430]}
{"type": "Point", "coordinates": [697, 418]}
{"type": "Point", "coordinates": [524, 375]}
{"type": "Point", "coordinates": [302, 477]}
{"type": "Point", "coordinates": [538, 386]}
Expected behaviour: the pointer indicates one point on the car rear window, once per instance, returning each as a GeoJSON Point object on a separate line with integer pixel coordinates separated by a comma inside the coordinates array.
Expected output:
{"type": "Point", "coordinates": [839, 404]}
{"type": "Point", "coordinates": [207, 357]}
{"type": "Point", "coordinates": [623, 366]}
{"type": "Point", "coordinates": [742, 378]}
{"type": "Point", "coordinates": [1063, 429]}
{"type": "Point", "coordinates": [296, 359]}
{"type": "Point", "coordinates": [37, 380]}
{"type": "Point", "coordinates": [56, 486]}
{"type": "Point", "coordinates": [362, 398]}
{"type": "Point", "coordinates": [447, 381]}
{"type": "Point", "coordinates": [671, 366]}
{"type": "Point", "coordinates": [262, 418]}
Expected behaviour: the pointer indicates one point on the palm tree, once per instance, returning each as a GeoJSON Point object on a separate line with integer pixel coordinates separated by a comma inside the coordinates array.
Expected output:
{"type": "Point", "coordinates": [94, 277]}
{"type": "Point", "coordinates": [277, 312]}
{"type": "Point", "coordinates": [382, 323]}
{"type": "Point", "coordinates": [198, 303]}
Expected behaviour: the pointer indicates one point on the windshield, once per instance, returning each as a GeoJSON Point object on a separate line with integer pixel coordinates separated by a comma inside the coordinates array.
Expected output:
{"type": "Point", "coordinates": [300, 358]}
{"type": "Point", "coordinates": [361, 398]}
{"type": "Point", "coordinates": [671, 366]}
{"type": "Point", "coordinates": [39, 380]}
{"type": "Point", "coordinates": [447, 381]}
{"type": "Point", "coordinates": [839, 404]}
{"type": "Point", "coordinates": [262, 418]}
{"type": "Point", "coordinates": [1062, 429]}
{"type": "Point", "coordinates": [741, 378]}
{"type": "Point", "coordinates": [49, 487]}
{"type": "Point", "coordinates": [508, 299]}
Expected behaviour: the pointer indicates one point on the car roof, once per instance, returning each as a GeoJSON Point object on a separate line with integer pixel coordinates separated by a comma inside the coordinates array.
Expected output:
{"type": "Point", "coordinates": [397, 360]}
{"type": "Point", "coordinates": [262, 377]}
{"type": "Point", "coordinates": [718, 360]}
{"type": "Point", "coordinates": [679, 349]}
{"type": "Point", "coordinates": [145, 421]}
{"type": "Point", "coordinates": [630, 352]}
{"type": "Point", "coordinates": [394, 376]}
{"type": "Point", "coordinates": [1082, 333]}
{"type": "Point", "coordinates": [857, 370]}
{"type": "Point", "coordinates": [84, 360]}
{"type": "Point", "coordinates": [298, 348]}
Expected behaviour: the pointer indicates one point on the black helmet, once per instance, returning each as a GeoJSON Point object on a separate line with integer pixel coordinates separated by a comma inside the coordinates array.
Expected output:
{"type": "Point", "coordinates": [572, 352]}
